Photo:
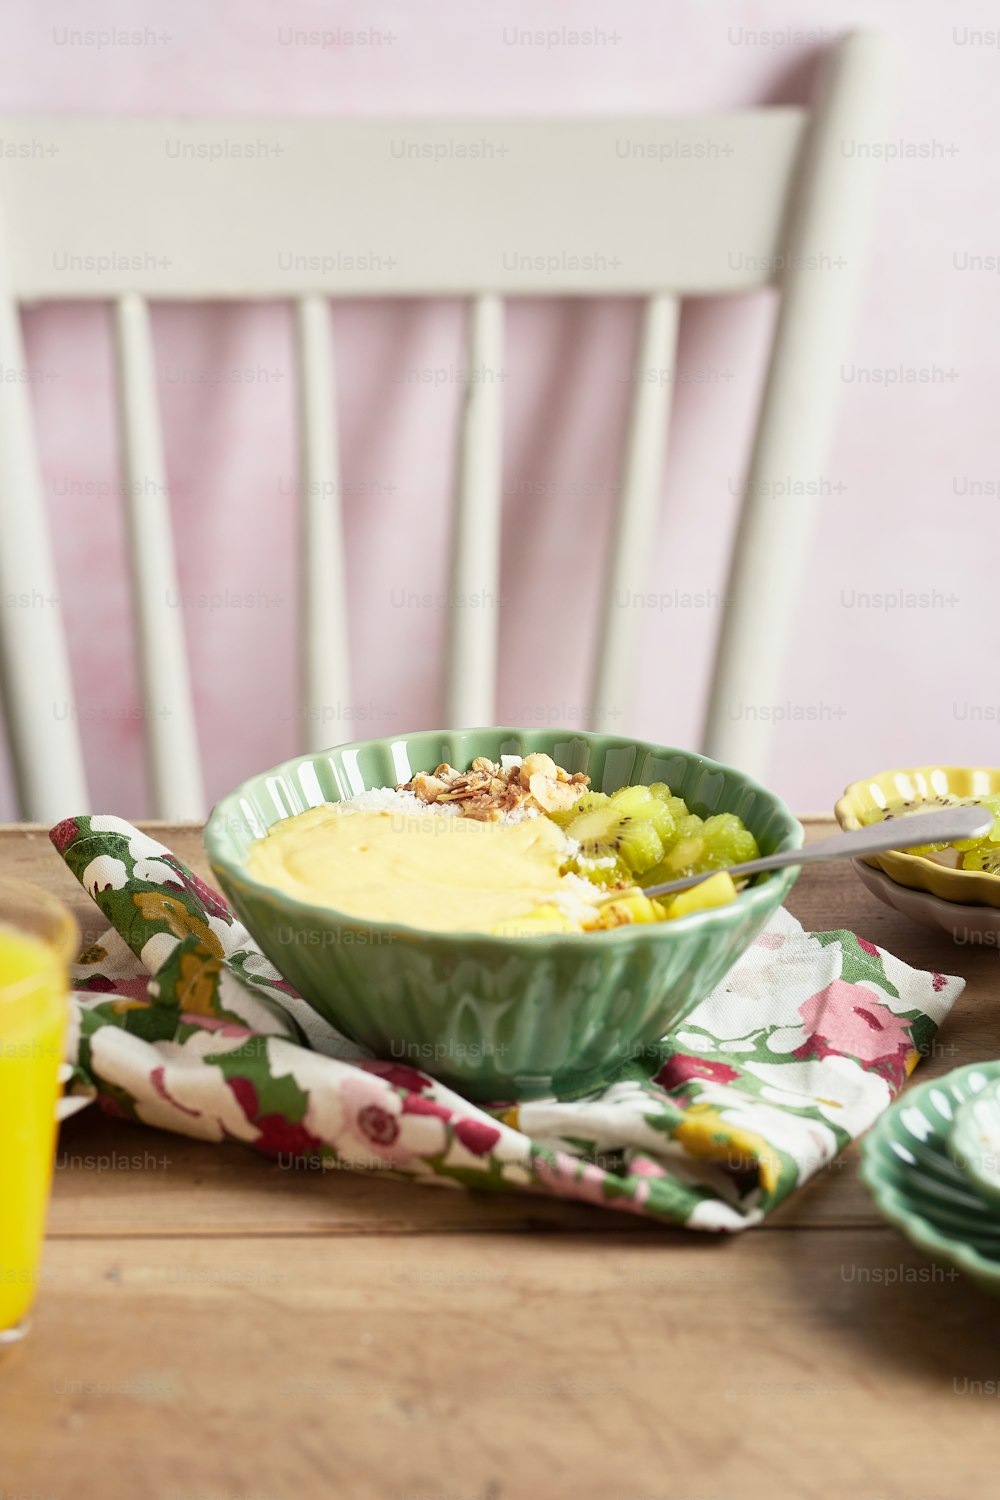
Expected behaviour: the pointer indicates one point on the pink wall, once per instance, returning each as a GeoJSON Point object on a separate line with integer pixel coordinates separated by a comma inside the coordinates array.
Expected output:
{"type": "Point", "coordinates": [913, 482]}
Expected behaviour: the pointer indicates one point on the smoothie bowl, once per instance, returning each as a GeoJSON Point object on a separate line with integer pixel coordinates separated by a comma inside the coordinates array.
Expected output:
{"type": "Point", "coordinates": [497, 935]}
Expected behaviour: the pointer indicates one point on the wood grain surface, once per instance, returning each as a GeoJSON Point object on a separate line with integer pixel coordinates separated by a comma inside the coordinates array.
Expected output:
{"type": "Point", "coordinates": [213, 1326]}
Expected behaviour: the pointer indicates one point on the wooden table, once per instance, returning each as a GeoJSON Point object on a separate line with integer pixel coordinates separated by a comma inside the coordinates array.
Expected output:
{"type": "Point", "coordinates": [214, 1327]}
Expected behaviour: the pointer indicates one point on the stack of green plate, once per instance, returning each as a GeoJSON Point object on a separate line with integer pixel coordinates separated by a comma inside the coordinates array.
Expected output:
{"type": "Point", "coordinates": [925, 1165]}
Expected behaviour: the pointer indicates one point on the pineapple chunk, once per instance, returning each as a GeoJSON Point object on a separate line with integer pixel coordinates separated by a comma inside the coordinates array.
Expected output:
{"type": "Point", "coordinates": [545, 918]}
{"type": "Point", "coordinates": [717, 890]}
{"type": "Point", "coordinates": [630, 907]}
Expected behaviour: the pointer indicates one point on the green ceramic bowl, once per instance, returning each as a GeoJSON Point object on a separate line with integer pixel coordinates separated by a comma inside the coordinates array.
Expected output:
{"type": "Point", "coordinates": [906, 1165]}
{"type": "Point", "coordinates": [498, 1018]}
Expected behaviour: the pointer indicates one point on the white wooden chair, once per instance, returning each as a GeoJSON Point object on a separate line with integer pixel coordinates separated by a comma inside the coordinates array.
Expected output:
{"type": "Point", "coordinates": [337, 213]}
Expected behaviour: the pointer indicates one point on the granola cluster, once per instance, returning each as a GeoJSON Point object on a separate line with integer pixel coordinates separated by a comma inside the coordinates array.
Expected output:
{"type": "Point", "coordinates": [489, 792]}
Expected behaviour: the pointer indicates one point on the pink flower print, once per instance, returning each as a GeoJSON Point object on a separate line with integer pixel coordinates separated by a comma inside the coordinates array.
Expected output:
{"type": "Point", "coordinates": [158, 1078]}
{"type": "Point", "coordinates": [277, 1136]}
{"type": "Point", "coordinates": [681, 1069]}
{"type": "Point", "coordinates": [216, 1024]}
{"type": "Point", "coordinates": [373, 1118]}
{"type": "Point", "coordinates": [398, 1074]}
{"type": "Point", "coordinates": [568, 1179]}
{"type": "Point", "coordinates": [378, 1125]}
{"type": "Point", "coordinates": [850, 1019]}
{"type": "Point", "coordinates": [100, 984]}
{"type": "Point", "coordinates": [770, 940]}
{"type": "Point", "coordinates": [645, 1166]}
{"type": "Point", "coordinates": [63, 834]}
{"type": "Point", "coordinates": [418, 1104]}
{"type": "Point", "coordinates": [476, 1136]}
{"type": "Point", "coordinates": [868, 947]}
{"type": "Point", "coordinates": [112, 1106]}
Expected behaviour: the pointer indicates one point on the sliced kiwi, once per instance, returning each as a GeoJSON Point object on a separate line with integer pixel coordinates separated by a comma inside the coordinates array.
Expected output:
{"type": "Point", "coordinates": [646, 833]}
{"type": "Point", "coordinates": [678, 808]}
{"type": "Point", "coordinates": [604, 832]}
{"type": "Point", "coordinates": [985, 856]}
{"type": "Point", "coordinates": [701, 845]}
{"type": "Point", "coordinates": [687, 857]}
{"type": "Point", "coordinates": [905, 809]}
{"type": "Point", "coordinates": [640, 845]}
{"type": "Point", "coordinates": [967, 846]}
{"type": "Point", "coordinates": [728, 841]}
{"type": "Point", "coordinates": [640, 803]}
{"type": "Point", "coordinates": [586, 803]}
{"type": "Point", "coordinates": [690, 826]}
{"type": "Point", "coordinates": [608, 872]}
{"type": "Point", "coordinates": [913, 807]}
{"type": "Point", "coordinates": [992, 802]}
{"type": "Point", "coordinates": [632, 799]}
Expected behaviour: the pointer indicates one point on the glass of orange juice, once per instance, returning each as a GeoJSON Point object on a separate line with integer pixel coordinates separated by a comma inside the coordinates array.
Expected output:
{"type": "Point", "coordinates": [38, 938]}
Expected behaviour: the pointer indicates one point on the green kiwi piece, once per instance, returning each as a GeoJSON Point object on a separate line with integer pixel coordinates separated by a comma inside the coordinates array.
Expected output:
{"type": "Point", "coordinates": [609, 873]}
{"type": "Point", "coordinates": [687, 857]}
{"type": "Point", "coordinates": [584, 804]}
{"type": "Point", "coordinates": [915, 806]}
{"type": "Point", "coordinates": [638, 802]}
{"type": "Point", "coordinates": [728, 841]}
{"type": "Point", "coordinates": [603, 832]}
{"type": "Point", "coordinates": [632, 800]}
{"type": "Point", "coordinates": [986, 856]}
{"type": "Point", "coordinates": [640, 845]}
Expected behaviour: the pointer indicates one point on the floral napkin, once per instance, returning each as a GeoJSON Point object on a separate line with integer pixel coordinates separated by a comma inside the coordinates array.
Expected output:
{"type": "Point", "coordinates": [180, 1021]}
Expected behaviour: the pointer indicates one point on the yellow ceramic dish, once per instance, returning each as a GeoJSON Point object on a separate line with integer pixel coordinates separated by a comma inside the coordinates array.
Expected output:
{"type": "Point", "coordinates": [939, 785]}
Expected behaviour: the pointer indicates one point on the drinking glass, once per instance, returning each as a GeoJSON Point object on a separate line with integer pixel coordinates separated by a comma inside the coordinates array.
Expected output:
{"type": "Point", "coordinates": [38, 939]}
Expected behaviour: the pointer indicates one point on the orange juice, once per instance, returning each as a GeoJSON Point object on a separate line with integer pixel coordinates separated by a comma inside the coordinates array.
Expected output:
{"type": "Point", "coordinates": [33, 1013]}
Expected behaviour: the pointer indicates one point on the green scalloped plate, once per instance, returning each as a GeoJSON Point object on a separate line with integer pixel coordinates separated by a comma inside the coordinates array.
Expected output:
{"type": "Point", "coordinates": [907, 1168]}
{"type": "Point", "coordinates": [974, 1142]}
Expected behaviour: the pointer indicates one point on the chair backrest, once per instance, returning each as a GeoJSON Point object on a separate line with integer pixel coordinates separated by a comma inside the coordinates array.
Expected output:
{"type": "Point", "coordinates": [134, 210]}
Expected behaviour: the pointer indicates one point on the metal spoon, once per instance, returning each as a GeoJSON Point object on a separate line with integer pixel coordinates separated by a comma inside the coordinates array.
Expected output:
{"type": "Point", "coordinates": [877, 838]}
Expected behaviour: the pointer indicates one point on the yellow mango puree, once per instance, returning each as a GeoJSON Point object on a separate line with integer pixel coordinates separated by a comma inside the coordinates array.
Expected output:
{"type": "Point", "coordinates": [446, 874]}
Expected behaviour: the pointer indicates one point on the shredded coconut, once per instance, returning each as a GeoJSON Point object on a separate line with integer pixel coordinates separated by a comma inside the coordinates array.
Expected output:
{"type": "Point", "coordinates": [578, 898]}
{"type": "Point", "coordinates": [388, 799]}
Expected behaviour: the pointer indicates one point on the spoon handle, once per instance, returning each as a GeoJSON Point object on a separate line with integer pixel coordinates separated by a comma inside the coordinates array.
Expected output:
{"type": "Point", "coordinates": [938, 827]}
